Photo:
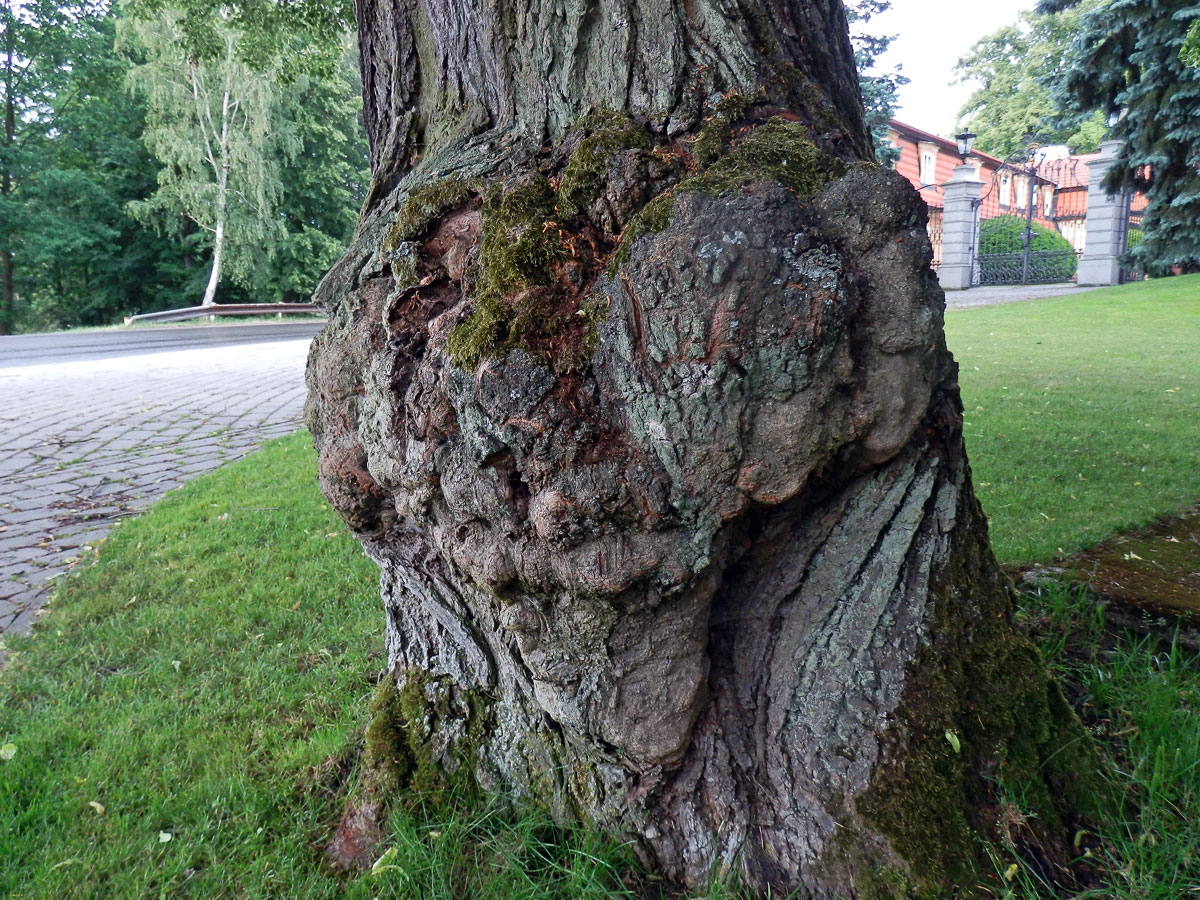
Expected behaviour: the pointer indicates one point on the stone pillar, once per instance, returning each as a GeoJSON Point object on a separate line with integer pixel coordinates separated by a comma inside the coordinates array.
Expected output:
{"type": "Point", "coordinates": [960, 228]}
{"type": "Point", "coordinates": [1105, 226]}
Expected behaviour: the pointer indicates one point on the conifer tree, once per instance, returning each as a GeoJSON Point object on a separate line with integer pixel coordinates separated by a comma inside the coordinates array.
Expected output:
{"type": "Point", "coordinates": [878, 88]}
{"type": "Point", "coordinates": [1128, 61]}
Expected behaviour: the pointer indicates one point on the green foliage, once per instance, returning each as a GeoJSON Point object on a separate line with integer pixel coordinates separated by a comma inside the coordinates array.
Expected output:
{"type": "Point", "coordinates": [290, 37]}
{"type": "Point", "coordinates": [208, 122]}
{"type": "Point", "coordinates": [1005, 236]}
{"type": "Point", "coordinates": [74, 160]}
{"type": "Point", "coordinates": [1190, 53]}
{"type": "Point", "coordinates": [317, 135]}
{"type": "Point", "coordinates": [878, 88]}
{"type": "Point", "coordinates": [78, 165]}
{"type": "Point", "coordinates": [1013, 107]}
{"type": "Point", "coordinates": [1128, 62]}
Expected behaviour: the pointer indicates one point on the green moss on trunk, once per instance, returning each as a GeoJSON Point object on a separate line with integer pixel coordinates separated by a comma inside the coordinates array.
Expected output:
{"type": "Point", "coordinates": [423, 205]}
{"type": "Point", "coordinates": [399, 759]}
{"type": "Point", "coordinates": [529, 226]}
{"type": "Point", "coordinates": [583, 177]}
{"type": "Point", "coordinates": [778, 151]}
{"type": "Point", "coordinates": [982, 728]}
{"type": "Point", "coordinates": [520, 244]}
{"type": "Point", "coordinates": [712, 141]}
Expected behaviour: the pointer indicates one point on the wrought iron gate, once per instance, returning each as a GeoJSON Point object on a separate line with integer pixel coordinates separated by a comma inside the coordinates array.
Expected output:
{"type": "Point", "coordinates": [1019, 241]}
{"type": "Point", "coordinates": [1135, 206]}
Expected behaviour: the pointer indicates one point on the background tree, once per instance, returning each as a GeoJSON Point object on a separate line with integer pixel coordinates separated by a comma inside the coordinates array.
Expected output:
{"type": "Point", "coordinates": [83, 259]}
{"type": "Point", "coordinates": [315, 125]}
{"type": "Point", "coordinates": [1191, 48]}
{"type": "Point", "coordinates": [878, 89]}
{"type": "Point", "coordinates": [75, 163]}
{"type": "Point", "coordinates": [48, 63]}
{"type": "Point", "coordinates": [634, 384]}
{"type": "Point", "coordinates": [1127, 62]}
{"type": "Point", "coordinates": [1013, 106]}
{"type": "Point", "coordinates": [208, 122]}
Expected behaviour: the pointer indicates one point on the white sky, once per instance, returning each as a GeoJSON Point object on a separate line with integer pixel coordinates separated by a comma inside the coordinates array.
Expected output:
{"type": "Point", "coordinates": [930, 37]}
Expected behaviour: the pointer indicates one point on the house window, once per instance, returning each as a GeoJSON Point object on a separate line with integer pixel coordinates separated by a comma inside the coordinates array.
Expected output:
{"type": "Point", "coordinates": [1022, 193]}
{"type": "Point", "coordinates": [927, 154]}
{"type": "Point", "coordinates": [1048, 201]}
{"type": "Point", "coordinates": [1006, 190]}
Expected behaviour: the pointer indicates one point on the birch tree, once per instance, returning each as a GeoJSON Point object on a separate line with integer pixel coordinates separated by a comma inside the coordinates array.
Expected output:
{"type": "Point", "coordinates": [208, 122]}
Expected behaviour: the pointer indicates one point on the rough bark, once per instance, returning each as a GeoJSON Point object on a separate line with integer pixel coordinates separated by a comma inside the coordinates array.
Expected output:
{"type": "Point", "coordinates": [649, 422]}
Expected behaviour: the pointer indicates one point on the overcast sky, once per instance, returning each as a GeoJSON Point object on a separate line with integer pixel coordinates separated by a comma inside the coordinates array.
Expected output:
{"type": "Point", "coordinates": [930, 37]}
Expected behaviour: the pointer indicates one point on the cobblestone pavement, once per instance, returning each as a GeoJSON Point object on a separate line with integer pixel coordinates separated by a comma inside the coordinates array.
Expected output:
{"type": "Point", "coordinates": [86, 443]}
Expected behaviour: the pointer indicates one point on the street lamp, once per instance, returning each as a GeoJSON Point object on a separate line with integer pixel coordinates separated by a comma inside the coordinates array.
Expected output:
{"type": "Point", "coordinates": [966, 140]}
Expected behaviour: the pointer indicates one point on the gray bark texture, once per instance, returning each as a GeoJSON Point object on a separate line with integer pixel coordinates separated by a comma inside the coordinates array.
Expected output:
{"type": "Point", "coordinates": [648, 419]}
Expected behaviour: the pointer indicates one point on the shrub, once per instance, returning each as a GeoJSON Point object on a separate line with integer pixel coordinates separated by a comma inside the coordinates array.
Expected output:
{"type": "Point", "coordinates": [1002, 250]}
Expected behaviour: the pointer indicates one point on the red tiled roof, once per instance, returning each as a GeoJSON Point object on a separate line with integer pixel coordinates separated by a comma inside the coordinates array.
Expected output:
{"type": "Point", "coordinates": [912, 131]}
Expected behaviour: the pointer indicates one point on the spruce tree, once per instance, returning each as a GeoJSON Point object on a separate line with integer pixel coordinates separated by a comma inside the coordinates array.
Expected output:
{"type": "Point", "coordinates": [1129, 61]}
{"type": "Point", "coordinates": [878, 89]}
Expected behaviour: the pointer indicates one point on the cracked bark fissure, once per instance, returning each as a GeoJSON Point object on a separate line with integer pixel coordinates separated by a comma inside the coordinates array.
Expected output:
{"type": "Point", "coordinates": [684, 545]}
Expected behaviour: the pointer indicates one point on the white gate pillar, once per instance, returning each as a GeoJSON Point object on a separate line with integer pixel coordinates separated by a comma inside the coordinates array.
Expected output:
{"type": "Point", "coordinates": [960, 228]}
{"type": "Point", "coordinates": [1105, 226]}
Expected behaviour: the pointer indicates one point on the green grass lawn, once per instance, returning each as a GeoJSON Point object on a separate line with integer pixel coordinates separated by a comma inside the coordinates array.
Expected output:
{"type": "Point", "coordinates": [187, 718]}
{"type": "Point", "coordinates": [188, 715]}
{"type": "Point", "coordinates": [1082, 413]}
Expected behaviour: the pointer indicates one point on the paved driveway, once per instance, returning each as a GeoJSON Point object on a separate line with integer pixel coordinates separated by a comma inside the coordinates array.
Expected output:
{"type": "Point", "coordinates": [93, 427]}
{"type": "Point", "coordinates": [995, 294]}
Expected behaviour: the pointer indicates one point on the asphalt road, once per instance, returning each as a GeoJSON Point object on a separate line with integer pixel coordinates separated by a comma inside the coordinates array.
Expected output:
{"type": "Point", "coordinates": [46, 349]}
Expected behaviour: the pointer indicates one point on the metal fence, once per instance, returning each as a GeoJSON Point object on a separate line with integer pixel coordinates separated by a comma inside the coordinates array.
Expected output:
{"type": "Point", "coordinates": [1134, 233]}
{"type": "Point", "coordinates": [1019, 238]}
{"type": "Point", "coordinates": [935, 235]}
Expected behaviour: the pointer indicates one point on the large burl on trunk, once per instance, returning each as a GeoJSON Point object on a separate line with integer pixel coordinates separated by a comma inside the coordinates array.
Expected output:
{"type": "Point", "coordinates": [635, 387]}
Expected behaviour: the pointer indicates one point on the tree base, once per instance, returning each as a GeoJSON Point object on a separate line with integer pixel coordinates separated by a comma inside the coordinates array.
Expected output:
{"type": "Point", "coordinates": [675, 522]}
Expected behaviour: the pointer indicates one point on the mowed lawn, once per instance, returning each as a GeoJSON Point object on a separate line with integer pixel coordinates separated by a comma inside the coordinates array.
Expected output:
{"type": "Point", "coordinates": [1082, 412]}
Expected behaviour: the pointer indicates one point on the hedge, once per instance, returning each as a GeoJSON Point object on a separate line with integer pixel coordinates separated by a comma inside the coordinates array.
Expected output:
{"type": "Point", "coordinates": [1001, 252]}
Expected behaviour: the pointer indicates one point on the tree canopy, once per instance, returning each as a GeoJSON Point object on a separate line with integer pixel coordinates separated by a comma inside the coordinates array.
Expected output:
{"type": "Point", "coordinates": [93, 225]}
{"type": "Point", "coordinates": [1013, 105]}
{"type": "Point", "coordinates": [1128, 60]}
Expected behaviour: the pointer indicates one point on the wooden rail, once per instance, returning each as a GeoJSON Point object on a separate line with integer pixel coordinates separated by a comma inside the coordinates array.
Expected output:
{"type": "Point", "coordinates": [224, 309]}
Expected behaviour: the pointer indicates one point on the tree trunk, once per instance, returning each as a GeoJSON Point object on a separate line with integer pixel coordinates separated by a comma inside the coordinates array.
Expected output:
{"type": "Point", "coordinates": [221, 164]}
{"type": "Point", "coordinates": [635, 387]}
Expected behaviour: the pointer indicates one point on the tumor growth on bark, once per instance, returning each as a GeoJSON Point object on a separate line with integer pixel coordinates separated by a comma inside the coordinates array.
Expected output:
{"type": "Point", "coordinates": [635, 387]}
